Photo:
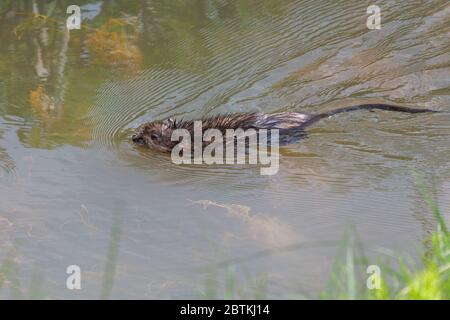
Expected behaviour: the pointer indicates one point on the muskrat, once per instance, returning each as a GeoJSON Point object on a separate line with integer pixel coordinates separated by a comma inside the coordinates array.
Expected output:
{"type": "Point", "coordinates": [157, 135]}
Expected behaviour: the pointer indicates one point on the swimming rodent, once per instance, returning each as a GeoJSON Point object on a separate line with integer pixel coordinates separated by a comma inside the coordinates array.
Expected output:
{"type": "Point", "coordinates": [157, 135]}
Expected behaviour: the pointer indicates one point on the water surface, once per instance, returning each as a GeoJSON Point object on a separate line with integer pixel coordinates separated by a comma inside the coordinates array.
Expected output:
{"type": "Point", "coordinates": [69, 177]}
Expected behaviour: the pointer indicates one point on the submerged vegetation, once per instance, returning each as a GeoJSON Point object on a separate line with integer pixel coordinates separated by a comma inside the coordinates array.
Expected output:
{"type": "Point", "coordinates": [10, 271]}
{"type": "Point", "coordinates": [352, 278]}
{"type": "Point", "coordinates": [40, 100]}
{"type": "Point", "coordinates": [348, 279]}
{"type": "Point", "coordinates": [113, 43]}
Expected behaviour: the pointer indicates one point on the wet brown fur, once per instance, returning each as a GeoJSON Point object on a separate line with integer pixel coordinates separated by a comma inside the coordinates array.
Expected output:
{"type": "Point", "coordinates": [157, 135]}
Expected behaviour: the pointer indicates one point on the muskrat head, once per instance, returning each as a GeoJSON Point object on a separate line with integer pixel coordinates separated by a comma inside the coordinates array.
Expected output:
{"type": "Point", "coordinates": [155, 135]}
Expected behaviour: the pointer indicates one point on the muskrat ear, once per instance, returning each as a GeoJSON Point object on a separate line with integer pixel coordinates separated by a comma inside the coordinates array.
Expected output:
{"type": "Point", "coordinates": [170, 122]}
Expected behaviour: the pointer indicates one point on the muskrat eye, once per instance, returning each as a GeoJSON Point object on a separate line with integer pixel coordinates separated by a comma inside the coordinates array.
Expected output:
{"type": "Point", "coordinates": [154, 136]}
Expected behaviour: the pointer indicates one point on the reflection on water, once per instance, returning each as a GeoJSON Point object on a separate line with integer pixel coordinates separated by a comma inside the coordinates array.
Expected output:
{"type": "Point", "coordinates": [68, 102]}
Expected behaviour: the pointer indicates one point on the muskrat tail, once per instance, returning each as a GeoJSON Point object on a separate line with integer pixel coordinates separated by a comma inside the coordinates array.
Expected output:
{"type": "Point", "coordinates": [316, 117]}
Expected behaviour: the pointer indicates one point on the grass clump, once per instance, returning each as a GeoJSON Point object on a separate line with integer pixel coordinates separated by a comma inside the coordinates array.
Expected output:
{"type": "Point", "coordinates": [430, 281]}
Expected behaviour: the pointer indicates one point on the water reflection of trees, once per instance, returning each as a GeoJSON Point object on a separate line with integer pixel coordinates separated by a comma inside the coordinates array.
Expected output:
{"type": "Point", "coordinates": [51, 76]}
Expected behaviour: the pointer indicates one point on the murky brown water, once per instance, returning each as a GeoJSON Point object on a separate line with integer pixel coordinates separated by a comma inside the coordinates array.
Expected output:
{"type": "Point", "coordinates": [68, 170]}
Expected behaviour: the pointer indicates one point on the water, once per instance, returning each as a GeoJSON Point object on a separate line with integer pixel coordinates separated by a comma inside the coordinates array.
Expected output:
{"type": "Point", "coordinates": [69, 177]}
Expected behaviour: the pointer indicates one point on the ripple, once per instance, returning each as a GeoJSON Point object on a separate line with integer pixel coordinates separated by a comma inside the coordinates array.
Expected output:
{"type": "Point", "coordinates": [293, 61]}
{"type": "Point", "coordinates": [7, 166]}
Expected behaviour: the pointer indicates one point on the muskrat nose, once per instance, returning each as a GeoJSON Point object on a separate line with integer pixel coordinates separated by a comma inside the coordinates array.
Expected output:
{"type": "Point", "coordinates": [137, 139]}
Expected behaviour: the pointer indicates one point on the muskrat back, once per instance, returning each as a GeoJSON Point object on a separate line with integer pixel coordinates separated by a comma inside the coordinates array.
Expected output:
{"type": "Point", "coordinates": [157, 134]}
